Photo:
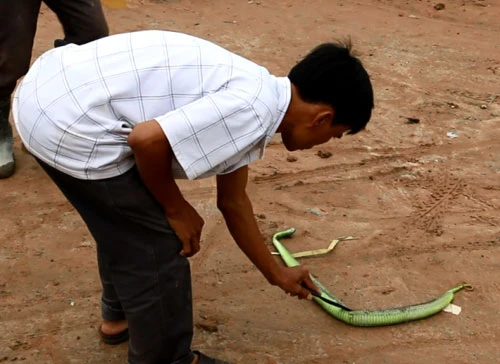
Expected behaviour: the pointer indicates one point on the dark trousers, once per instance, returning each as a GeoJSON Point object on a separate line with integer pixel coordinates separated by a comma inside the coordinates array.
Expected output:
{"type": "Point", "coordinates": [82, 22]}
{"type": "Point", "coordinates": [144, 279]}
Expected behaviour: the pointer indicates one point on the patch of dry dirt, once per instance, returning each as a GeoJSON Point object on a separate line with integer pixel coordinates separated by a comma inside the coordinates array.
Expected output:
{"type": "Point", "coordinates": [424, 204]}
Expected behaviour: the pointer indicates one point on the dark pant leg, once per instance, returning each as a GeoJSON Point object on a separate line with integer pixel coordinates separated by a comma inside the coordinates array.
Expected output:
{"type": "Point", "coordinates": [87, 207]}
{"type": "Point", "coordinates": [111, 307]}
{"type": "Point", "coordinates": [141, 255]}
{"type": "Point", "coordinates": [82, 20]}
{"type": "Point", "coordinates": [17, 30]}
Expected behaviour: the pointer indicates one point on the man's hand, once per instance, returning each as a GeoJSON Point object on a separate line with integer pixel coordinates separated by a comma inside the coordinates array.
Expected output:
{"type": "Point", "coordinates": [153, 156]}
{"type": "Point", "coordinates": [187, 224]}
{"type": "Point", "coordinates": [295, 281]}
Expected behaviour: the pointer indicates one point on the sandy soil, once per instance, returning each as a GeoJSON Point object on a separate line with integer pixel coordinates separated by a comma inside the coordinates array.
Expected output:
{"type": "Point", "coordinates": [423, 198]}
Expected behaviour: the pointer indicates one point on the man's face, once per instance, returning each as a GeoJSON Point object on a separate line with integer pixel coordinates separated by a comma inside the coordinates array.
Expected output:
{"type": "Point", "coordinates": [307, 136]}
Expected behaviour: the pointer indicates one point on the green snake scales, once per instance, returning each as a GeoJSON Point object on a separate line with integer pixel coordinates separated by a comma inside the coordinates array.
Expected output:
{"type": "Point", "coordinates": [368, 317]}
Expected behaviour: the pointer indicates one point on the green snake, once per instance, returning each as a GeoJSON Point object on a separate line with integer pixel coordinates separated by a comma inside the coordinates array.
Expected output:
{"type": "Point", "coordinates": [385, 317]}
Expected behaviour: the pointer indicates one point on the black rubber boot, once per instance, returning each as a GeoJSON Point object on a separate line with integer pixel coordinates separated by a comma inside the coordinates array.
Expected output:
{"type": "Point", "coordinates": [7, 163]}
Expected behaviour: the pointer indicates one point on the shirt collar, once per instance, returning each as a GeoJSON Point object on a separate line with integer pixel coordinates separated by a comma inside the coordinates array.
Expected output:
{"type": "Point", "coordinates": [284, 94]}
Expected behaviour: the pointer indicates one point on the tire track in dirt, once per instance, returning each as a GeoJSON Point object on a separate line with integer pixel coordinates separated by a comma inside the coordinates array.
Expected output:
{"type": "Point", "coordinates": [435, 197]}
{"type": "Point", "coordinates": [445, 190]}
{"type": "Point", "coordinates": [429, 212]}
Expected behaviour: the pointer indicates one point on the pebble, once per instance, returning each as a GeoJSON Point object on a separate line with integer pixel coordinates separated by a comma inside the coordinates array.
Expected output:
{"type": "Point", "coordinates": [322, 154]}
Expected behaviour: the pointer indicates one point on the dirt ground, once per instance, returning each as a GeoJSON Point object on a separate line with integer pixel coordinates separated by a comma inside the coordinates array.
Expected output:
{"type": "Point", "coordinates": [423, 198]}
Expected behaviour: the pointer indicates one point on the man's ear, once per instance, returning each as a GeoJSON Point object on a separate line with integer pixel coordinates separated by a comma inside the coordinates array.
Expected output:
{"type": "Point", "coordinates": [323, 116]}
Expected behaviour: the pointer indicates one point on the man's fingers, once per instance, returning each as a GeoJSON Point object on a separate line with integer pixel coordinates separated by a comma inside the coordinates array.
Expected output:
{"type": "Point", "coordinates": [308, 282]}
{"type": "Point", "coordinates": [307, 286]}
{"type": "Point", "coordinates": [190, 248]}
{"type": "Point", "coordinates": [305, 294]}
{"type": "Point", "coordinates": [301, 294]}
{"type": "Point", "coordinates": [186, 249]}
{"type": "Point", "coordinates": [299, 283]}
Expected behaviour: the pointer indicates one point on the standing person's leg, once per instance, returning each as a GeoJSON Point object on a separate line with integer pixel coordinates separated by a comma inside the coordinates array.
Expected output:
{"type": "Point", "coordinates": [7, 162]}
{"type": "Point", "coordinates": [82, 20]}
{"type": "Point", "coordinates": [139, 252]}
{"type": "Point", "coordinates": [17, 30]}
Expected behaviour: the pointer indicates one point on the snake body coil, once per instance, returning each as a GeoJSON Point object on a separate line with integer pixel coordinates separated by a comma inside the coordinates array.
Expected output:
{"type": "Point", "coordinates": [368, 317]}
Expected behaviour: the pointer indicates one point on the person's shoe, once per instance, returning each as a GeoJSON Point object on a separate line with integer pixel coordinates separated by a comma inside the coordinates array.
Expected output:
{"type": "Point", "coordinates": [7, 162]}
{"type": "Point", "coordinates": [60, 43]}
{"type": "Point", "coordinates": [203, 359]}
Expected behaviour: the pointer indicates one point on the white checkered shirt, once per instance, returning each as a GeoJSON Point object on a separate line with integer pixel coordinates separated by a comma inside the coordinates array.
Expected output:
{"type": "Point", "coordinates": [77, 104]}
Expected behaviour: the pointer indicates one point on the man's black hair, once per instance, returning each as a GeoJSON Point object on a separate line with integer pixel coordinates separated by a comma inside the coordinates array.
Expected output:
{"type": "Point", "coordinates": [331, 75]}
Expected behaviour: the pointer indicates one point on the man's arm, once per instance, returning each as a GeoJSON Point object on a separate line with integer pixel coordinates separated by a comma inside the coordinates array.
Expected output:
{"type": "Point", "coordinates": [233, 202]}
{"type": "Point", "coordinates": [153, 156]}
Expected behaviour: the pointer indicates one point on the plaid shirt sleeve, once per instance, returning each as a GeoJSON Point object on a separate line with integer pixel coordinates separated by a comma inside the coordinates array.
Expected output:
{"type": "Point", "coordinates": [214, 129]}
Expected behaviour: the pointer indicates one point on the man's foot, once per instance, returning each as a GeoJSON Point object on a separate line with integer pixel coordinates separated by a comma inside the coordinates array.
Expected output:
{"type": "Point", "coordinates": [114, 332]}
{"type": "Point", "coordinates": [113, 327]}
